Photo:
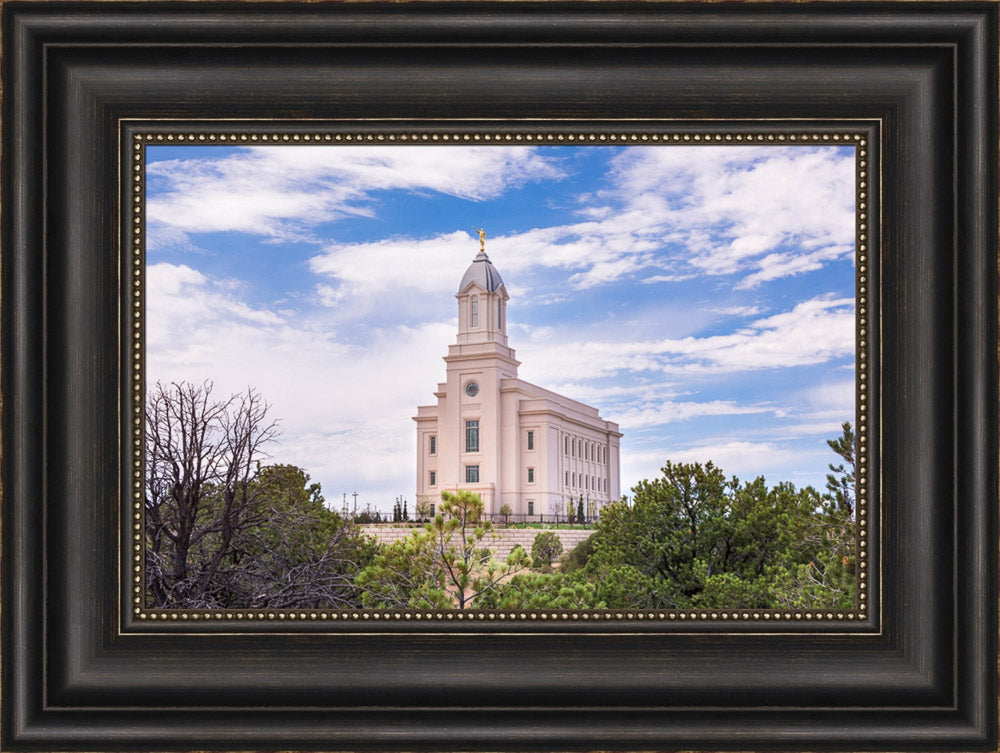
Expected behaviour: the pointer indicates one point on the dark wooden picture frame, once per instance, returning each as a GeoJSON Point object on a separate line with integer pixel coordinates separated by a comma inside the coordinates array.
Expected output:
{"type": "Point", "coordinates": [919, 672]}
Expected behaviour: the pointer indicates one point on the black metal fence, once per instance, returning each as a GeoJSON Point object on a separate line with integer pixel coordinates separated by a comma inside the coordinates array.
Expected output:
{"type": "Point", "coordinates": [549, 519]}
{"type": "Point", "coordinates": [505, 520]}
{"type": "Point", "coordinates": [514, 519]}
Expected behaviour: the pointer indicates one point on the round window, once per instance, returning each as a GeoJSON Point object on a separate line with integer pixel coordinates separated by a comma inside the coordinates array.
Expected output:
{"type": "Point", "coordinates": [472, 389]}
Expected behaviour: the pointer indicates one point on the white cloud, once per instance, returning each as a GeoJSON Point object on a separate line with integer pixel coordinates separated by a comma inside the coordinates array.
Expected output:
{"type": "Point", "coordinates": [674, 212]}
{"type": "Point", "coordinates": [789, 264]}
{"type": "Point", "coordinates": [668, 411]}
{"type": "Point", "coordinates": [739, 310]}
{"type": "Point", "coordinates": [606, 271]}
{"type": "Point", "coordinates": [832, 398]}
{"type": "Point", "coordinates": [652, 279]}
{"type": "Point", "coordinates": [735, 457]}
{"type": "Point", "coordinates": [344, 409]}
{"type": "Point", "coordinates": [588, 391]}
{"type": "Point", "coordinates": [817, 426]}
{"type": "Point", "coordinates": [161, 237]}
{"type": "Point", "coordinates": [282, 192]}
{"type": "Point", "coordinates": [182, 300]}
{"type": "Point", "coordinates": [346, 396]}
{"type": "Point", "coordinates": [364, 270]}
{"type": "Point", "coordinates": [814, 331]}
{"type": "Point", "coordinates": [732, 205]}
{"type": "Point", "coordinates": [599, 250]}
{"type": "Point", "coordinates": [764, 212]}
{"type": "Point", "coordinates": [819, 410]}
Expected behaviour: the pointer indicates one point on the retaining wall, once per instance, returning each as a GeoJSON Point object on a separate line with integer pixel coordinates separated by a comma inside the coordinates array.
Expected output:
{"type": "Point", "coordinates": [500, 541]}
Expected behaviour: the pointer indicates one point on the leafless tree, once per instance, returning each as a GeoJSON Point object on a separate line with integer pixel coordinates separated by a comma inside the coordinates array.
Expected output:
{"type": "Point", "coordinates": [225, 531]}
{"type": "Point", "coordinates": [202, 456]}
{"type": "Point", "coordinates": [272, 576]}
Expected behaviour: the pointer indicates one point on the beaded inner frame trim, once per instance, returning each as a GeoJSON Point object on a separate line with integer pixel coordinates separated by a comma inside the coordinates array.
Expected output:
{"type": "Point", "coordinates": [249, 133]}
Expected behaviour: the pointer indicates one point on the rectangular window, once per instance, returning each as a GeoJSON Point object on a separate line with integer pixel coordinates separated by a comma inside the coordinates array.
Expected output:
{"type": "Point", "coordinates": [531, 507]}
{"type": "Point", "coordinates": [567, 478]}
{"type": "Point", "coordinates": [434, 478]}
{"type": "Point", "coordinates": [573, 447]}
{"type": "Point", "coordinates": [434, 445]}
{"type": "Point", "coordinates": [432, 509]}
{"type": "Point", "coordinates": [475, 312]}
{"type": "Point", "coordinates": [574, 479]}
{"type": "Point", "coordinates": [472, 436]}
{"type": "Point", "coordinates": [531, 440]}
{"type": "Point", "coordinates": [566, 445]}
{"type": "Point", "coordinates": [531, 475]}
{"type": "Point", "coordinates": [586, 451]}
{"type": "Point", "coordinates": [472, 474]}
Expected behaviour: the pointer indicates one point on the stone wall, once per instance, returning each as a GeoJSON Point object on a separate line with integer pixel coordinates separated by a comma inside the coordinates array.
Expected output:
{"type": "Point", "coordinates": [500, 541]}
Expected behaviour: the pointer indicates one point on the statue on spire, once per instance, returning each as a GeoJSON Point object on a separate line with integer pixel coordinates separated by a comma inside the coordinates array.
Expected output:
{"type": "Point", "coordinates": [482, 241]}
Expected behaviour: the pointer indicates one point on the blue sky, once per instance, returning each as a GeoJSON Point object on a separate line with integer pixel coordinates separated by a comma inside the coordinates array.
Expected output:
{"type": "Point", "coordinates": [700, 296]}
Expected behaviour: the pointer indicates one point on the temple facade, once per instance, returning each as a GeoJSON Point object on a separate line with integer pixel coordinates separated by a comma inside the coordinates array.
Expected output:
{"type": "Point", "coordinates": [512, 442]}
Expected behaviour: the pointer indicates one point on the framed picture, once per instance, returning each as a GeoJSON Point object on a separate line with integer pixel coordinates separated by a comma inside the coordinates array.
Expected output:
{"type": "Point", "coordinates": [132, 132]}
{"type": "Point", "coordinates": [741, 360]}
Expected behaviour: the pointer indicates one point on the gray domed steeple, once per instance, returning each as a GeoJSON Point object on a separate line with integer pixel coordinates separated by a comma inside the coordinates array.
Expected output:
{"type": "Point", "coordinates": [481, 271]}
{"type": "Point", "coordinates": [482, 303]}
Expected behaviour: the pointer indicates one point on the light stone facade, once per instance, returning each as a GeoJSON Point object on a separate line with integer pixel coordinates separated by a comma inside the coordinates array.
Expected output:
{"type": "Point", "coordinates": [512, 442]}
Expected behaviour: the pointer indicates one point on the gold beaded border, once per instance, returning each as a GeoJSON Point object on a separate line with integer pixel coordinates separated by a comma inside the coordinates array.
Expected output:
{"type": "Point", "coordinates": [136, 233]}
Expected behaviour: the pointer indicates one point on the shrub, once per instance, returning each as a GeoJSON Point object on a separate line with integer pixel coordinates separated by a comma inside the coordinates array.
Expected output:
{"type": "Point", "coordinates": [542, 591]}
{"type": "Point", "coordinates": [545, 548]}
{"type": "Point", "coordinates": [578, 556]}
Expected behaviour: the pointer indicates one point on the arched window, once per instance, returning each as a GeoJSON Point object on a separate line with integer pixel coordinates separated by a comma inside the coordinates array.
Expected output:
{"type": "Point", "coordinates": [475, 312]}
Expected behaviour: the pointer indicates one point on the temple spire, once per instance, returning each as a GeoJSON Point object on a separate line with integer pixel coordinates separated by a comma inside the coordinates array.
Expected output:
{"type": "Point", "coordinates": [482, 241]}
